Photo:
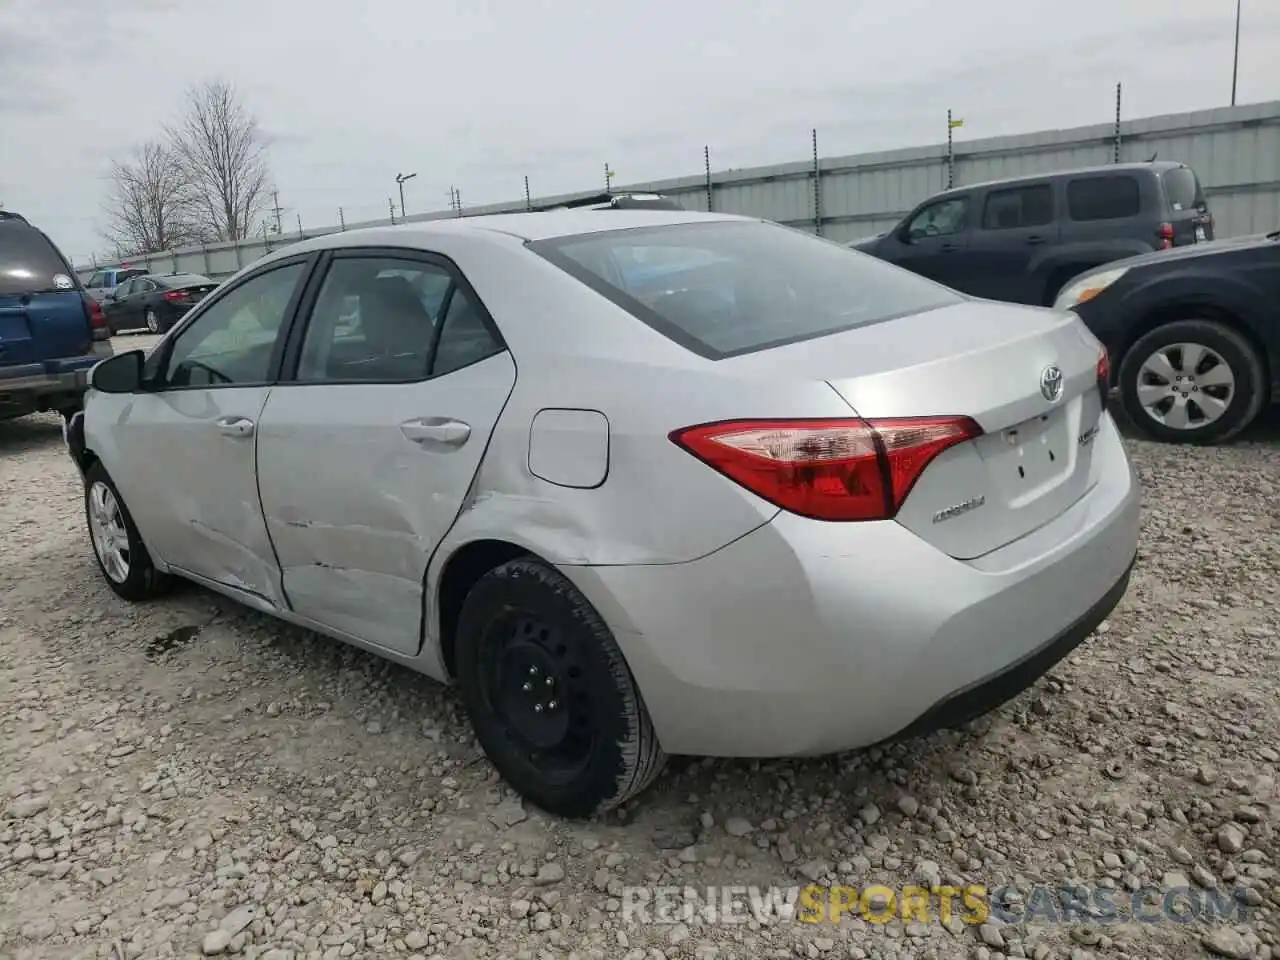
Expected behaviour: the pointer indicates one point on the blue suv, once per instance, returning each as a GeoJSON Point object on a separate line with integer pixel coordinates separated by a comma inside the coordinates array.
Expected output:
{"type": "Point", "coordinates": [51, 331]}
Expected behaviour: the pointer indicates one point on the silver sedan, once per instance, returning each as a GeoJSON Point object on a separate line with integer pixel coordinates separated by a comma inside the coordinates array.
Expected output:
{"type": "Point", "coordinates": [640, 482]}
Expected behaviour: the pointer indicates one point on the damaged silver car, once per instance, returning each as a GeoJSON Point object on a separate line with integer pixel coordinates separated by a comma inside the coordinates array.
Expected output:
{"type": "Point", "coordinates": [639, 481]}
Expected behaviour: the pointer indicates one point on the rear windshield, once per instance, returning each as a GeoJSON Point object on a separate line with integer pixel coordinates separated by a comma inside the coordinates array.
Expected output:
{"type": "Point", "coordinates": [182, 280]}
{"type": "Point", "coordinates": [1182, 187]}
{"type": "Point", "coordinates": [29, 263]}
{"type": "Point", "coordinates": [732, 287]}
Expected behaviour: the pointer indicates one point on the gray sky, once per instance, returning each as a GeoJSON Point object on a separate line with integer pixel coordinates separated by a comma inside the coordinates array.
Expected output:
{"type": "Point", "coordinates": [479, 93]}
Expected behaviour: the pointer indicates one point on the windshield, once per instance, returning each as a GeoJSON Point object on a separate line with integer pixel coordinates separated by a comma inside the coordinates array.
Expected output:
{"type": "Point", "coordinates": [730, 287]}
{"type": "Point", "coordinates": [182, 280]}
{"type": "Point", "coordinates": [29, 263]}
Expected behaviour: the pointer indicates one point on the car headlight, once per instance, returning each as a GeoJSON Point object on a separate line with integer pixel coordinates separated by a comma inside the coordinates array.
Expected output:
{"type": "Point", "coordinates": [1086, 288]}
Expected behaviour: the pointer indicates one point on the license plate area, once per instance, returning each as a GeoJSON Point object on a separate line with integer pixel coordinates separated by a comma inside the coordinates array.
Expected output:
{"type": "Point", "coordinates": [1200, 233]}
{"type": "Point", "coordinates": [1027, 458]}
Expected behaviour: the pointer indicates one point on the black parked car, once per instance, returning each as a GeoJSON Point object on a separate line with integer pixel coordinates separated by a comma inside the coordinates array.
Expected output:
{"type": "Point", "coordinates": [154, 303]}
{"type": "Point", "coordinates": [1021, 240]}
{"type": "Point", "coordinates": [1194, 333]}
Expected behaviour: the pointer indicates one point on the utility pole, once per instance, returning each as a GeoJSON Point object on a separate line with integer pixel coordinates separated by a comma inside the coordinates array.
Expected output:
{"type": "Point", "coordinates": [401, 180]}
{"type": "Point", "coordinates": [391, 205]}
{"type": "Point", "coordinates": [342, 221]}
{"type": "Point", "coordinates": [1117, 131]}
{"type": "Point", "coordinates": [951, 157]}
{"type": "Point", "coordinates": [1235, 59]}
{"type": "Point", "coordinates": [608, 178]}
{"type": "Point", "coordinates": [275, 199]}
{"type": "Point", "coordinates": [299, 226]}
{"type": "Point", "coordinates": [528, 200]}
{"type": "Point", "coordinates": [455, 200]}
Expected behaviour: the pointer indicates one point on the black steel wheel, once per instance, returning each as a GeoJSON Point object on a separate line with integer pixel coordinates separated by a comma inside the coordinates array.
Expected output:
{"type": "Point", "coordinates": [550, 697]}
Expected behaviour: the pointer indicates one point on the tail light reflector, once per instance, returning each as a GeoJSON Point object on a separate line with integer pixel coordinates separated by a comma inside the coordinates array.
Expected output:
{"type": "Point", "coordinates": [1104, 374]}
{"type": "Point", "coordinates": [175, 295]}
{"type": "Point", "coordinates": [847, 469]}
{"type": "Point", "coordinates": [97, 319]}
{"type": "Point", "coordinates": [1166, 236]}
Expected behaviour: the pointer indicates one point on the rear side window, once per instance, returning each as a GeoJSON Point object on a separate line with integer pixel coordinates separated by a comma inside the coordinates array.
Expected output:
{"type": "Point", "coordinates": [1182, 188]}
{"type": "Point", "coordinates": [1103, 198]}
{"type": "Point", "coordinates": [732, 287]}
{"type": "Point", "coordinates": [29, 263]}
{"type": "Point", "coordinates": [1018, 207]}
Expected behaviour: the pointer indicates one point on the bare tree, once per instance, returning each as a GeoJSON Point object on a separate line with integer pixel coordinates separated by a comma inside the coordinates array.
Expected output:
{"type": "Point", "coordinates": [223, 158]}
{"type": "Point", "coordinates": [149, 206]}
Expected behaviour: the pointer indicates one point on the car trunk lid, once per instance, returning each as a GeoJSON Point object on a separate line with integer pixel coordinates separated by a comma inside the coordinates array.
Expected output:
{"type": "Point", "coordinates": [986, 361]}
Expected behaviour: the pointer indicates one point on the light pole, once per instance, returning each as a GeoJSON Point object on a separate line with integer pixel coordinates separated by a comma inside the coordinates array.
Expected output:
{"type": "Point", "coordinates": [1235, 59]}
{"type": "Point", "coordinates": [401, 178]}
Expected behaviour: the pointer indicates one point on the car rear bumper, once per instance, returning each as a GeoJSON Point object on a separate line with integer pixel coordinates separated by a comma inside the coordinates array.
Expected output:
{"type": "Point", "coordinates": [808, 638]}
{"type": "Point", "coordinates": [67, 375]}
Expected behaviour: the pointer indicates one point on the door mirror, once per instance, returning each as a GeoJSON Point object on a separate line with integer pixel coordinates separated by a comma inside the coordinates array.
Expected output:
{"type": "Point", "coordinates": [119, 374]}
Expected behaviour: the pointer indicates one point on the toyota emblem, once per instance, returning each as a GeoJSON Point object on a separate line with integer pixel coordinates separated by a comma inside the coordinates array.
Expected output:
{"type": "Point", "coordinates": [1051, 382]}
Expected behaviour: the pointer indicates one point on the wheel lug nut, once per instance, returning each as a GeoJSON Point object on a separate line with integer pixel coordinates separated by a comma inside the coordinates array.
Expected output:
{"type": "Point", "coordinates": [527, 687]}
{"type": "Point", "coordinates": [551, 705]}
{"type": "Point", "coordinates": [533, 671]}
{"type": "Point", "coordinates": [551, 682]}
{"type": "Point", "coordinates": [537, 708]}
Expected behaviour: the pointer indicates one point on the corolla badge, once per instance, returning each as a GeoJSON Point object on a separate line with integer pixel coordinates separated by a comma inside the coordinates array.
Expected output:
{"type": "Point", "coordinates": [1051, 382]}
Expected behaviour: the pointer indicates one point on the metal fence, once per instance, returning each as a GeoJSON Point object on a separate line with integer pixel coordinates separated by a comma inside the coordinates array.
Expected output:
{"type": "Point", "coordinates": [1235, 150]}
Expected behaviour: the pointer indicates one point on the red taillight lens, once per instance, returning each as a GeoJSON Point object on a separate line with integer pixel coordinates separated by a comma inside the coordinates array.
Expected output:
{"type": "Point", "coordinates": [848, 469]}
{"type": "Point", "coordinates": [1104, 374]}
{"type": "Point", "coordinates": [97, 319]}
{"type": "Point", "coordinates": [174, 295]}
{"type": "Point", "coordinates": [1166, 236]}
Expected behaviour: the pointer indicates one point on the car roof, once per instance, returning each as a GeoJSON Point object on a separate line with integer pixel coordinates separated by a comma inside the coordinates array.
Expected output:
{"type": "Point", "coordinates": [522, 226]}
{"type": "Point", "coordinates": [1158, 166]}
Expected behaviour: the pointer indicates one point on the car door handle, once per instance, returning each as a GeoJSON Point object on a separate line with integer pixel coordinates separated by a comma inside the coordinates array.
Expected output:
{"type": "Point", "coordinates": [235, 426]}
{"type": "Point", "coordinates": [1034, 240]}
{"type": "Point", "coordinates": [950, 247]}
{"type": "Point", "coordinates": [441, 430]}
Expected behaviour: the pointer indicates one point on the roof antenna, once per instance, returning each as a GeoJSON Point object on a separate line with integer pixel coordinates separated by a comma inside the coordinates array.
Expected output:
{"type": "Point", "coordinates": [1153, 158]}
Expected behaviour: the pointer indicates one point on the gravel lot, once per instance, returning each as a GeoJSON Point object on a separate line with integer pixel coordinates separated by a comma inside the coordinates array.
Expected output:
{"type": "Point", "coordinates": [190, 777]}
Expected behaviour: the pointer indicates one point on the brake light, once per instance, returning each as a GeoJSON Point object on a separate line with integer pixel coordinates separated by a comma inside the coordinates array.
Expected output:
{"type": "Point", "coordinates": [1166, 236]}
{"type": "Point", "coordinates": [174, 295]}
{"type": "Point", "coordinates": [847, 469]}
{"type": "Point", "coordinates": [98, 328]}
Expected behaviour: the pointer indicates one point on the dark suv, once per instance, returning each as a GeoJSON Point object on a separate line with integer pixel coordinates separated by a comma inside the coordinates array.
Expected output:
{"type": "Point", "coordinates": [1021, 240]}
{"type": "Point", "coordinates": [51, 331]}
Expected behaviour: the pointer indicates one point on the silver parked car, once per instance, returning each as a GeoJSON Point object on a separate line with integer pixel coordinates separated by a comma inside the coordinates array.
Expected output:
{"type": "Point", "coordinates": [640, 482]}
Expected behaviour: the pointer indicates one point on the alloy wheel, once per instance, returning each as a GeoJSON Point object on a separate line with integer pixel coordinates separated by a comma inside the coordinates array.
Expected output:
{"type": "Point", "coordinates": [1185, 386]}
{"type": "Point", "coordinates": [107, 530]}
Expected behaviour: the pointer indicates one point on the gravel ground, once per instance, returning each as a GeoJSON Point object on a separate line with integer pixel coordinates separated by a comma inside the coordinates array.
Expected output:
{"type": "Point", "coordinates": [191, 778]}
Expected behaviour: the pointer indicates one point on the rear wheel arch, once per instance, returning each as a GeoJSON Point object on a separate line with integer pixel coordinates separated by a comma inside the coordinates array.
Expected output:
{"type": "Point", "coordinates": [461, 571]}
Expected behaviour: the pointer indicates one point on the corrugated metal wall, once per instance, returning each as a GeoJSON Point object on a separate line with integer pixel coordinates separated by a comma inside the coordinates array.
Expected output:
{"type": "Point", "coordinates": [1235, 150]}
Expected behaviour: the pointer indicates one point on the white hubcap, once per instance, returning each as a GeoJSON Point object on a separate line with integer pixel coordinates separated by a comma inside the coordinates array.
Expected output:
{"type": "Point", "coordinates": [153, 324]}
{"type": "Point", "coordinates": [1185, 386]}
{"type": "Point", "coordinates": [106, 527]}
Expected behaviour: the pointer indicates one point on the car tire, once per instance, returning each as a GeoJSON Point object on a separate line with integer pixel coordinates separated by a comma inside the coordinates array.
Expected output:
{"type": "Point", "coordinates": [105, 512]}
{"type": "Point", "coordinates": [1222, 345]}
{"type": "Point", "coordinates": [550, 697]}
{"type": "Point", "coordinates": [152, 321]}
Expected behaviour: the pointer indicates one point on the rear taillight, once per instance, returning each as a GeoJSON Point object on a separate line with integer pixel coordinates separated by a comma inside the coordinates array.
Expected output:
{"type": "Point", "coordinates": [848, 469]}
{"type": "Point", "coordinates": [1166, 236]}
{"type": "Point", "coordinates": [1104, 374]}
{"type": "Point", "coordinates": [97, 319]}
{"type": "Point", "coordinates": [175, 295]}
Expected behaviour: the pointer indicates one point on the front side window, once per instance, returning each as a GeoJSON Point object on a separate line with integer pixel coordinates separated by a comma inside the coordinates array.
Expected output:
{"type": "Point", "coordinates": [731, 287]}
{"type": "Point", "coordinates": [232, 342]}
{"type": "Point", "coordinates": [941, 219]}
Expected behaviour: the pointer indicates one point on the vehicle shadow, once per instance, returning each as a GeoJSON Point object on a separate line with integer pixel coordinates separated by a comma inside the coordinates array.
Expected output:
{"type": "Point", "coordinates": [27, 434]}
